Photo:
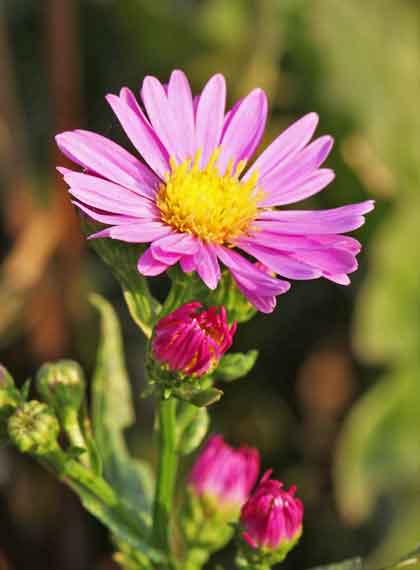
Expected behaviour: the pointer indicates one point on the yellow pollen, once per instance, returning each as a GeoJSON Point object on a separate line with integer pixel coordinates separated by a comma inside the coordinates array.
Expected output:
{"type": "Point", "coordinates": [216, 208]}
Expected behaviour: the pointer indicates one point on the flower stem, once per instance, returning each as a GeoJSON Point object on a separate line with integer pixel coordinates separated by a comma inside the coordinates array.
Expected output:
{"type": "Point", "coordinates": [74, 433]}
{"type": "Point", "coordinates": [166, 474]}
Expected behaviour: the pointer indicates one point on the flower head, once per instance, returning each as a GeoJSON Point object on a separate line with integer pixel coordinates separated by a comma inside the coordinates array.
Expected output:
{"type": "Point", "coordinates": [224, 475]}
{"type": "Point", "coordinates": [192, 340]}
{"type": "Point", "coordinates": [195, 200]}
{"type": "Point", "coordinates": [271, 519]}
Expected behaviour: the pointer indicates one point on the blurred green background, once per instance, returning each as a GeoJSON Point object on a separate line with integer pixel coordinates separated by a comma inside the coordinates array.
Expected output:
{"type": "Point", "coordinates": [333, 402]}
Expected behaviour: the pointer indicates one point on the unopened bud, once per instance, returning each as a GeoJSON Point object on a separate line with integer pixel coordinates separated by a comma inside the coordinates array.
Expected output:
{"type": "Point", "coordinates": [192, 340]}
{"type": "Point", "coordinates": [62, 385]}
{"type": "Point", "coordinates": [33, 428]}
{"type": "Point", "coordinates": [271, 523]}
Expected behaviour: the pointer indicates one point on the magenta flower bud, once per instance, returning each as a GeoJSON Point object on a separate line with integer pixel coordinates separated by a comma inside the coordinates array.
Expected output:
{"type": "Point", "coordinates": [271, 519]}
{"type": "Point", "coordinates": [192, 340]}
{"type": "Point", "coordinates": [223, 475]}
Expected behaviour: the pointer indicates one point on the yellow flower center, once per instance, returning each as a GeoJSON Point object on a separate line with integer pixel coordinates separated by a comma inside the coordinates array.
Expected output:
{"type": "Point", "coordinates": [206, 204]}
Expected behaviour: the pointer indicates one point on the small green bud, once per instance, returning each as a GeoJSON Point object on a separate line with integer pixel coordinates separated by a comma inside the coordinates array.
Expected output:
{"type": "Point", "coordinates": [62, 385]}
{"type": "Point", "coordinates": [10, 399]}
{"type": "Point", "coordinates": [33, 428]}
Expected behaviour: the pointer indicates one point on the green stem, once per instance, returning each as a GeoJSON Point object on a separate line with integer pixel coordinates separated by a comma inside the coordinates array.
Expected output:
{"type": "Point", "coordinates": [166, 474]}
{"type": "Point", "coordinates": [74, 433]}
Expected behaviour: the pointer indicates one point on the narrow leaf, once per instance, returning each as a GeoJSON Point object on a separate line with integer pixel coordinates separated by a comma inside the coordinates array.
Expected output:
{"type": "Point", "coordinates": [112, 413]}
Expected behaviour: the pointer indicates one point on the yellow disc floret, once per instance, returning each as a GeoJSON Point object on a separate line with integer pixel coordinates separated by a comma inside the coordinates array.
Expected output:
{"type": "Point", "coordinates": [216, 208]}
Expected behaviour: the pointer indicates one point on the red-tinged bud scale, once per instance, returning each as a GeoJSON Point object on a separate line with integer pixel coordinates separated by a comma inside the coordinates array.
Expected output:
{"type": "Point", "coordinates": [191, 340]}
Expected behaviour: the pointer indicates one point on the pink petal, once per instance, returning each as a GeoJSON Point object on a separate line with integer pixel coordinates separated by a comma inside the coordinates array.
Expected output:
{"type": "Point", "coordinates": [163, 119]}
{"type": "Point", "coordinates": [185, 244]}
{"type": "Point", "coordinates": [141, 134]}
{"type": "Point", "coordinates": [181, 103]}
{"type": "Point", "coordinates": [258, 281]}
{"type": "Point", "coordinates": [207, 265]}
{"type": "Point", "coordinates": [331, 261]}
{"type": "Point", "coordinates": [209, 117]}
{"type": "Point", "coordinates": [282, 263]}
{"type": "Point", "coordinates": [149, 266]}
{"type": "Point", "coordinates": [263, 303]}
{"type": "Point", "coordinates": [296, 170]}
{"type": "Point", "coordinates": [188, 264]}
{"type": "Point", "coordinates": [128, 97]}
{"type": "Point", "coordinates": [243, 133]}
{"type": "Point", "coordinates": [341, 279]}
{"type": "Point", "coordinates": [298, 189]}
{"type": "Point", "coordinates": [285, 242]}
{"type": "Point", "coordinates": [285, 145]}
{"type": "Point", "coordinates": [100, 155]}
{"type": "Point", "coordinates": [140, 232]}
{"type": "Point", "coordinates": [108, 196]}
{"type": "Point", "coordinates": [103, 218]}
{"type": "Point", "coordinates": [335, 220]}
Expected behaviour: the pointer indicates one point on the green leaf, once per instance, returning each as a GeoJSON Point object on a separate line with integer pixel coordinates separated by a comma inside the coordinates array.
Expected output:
{"type": "Point", "coordinates": [112, 413]}
{"type": "Point", "coordinates": [192, 426]}
{"type": "Point", "coordinates": [122, 529]}
{"type": "Point", "coordinates": [350, 564]}
{"type": "Point", "coordinates": [236, 365]}
{"type": "Point", "coordinates": [122, 259]}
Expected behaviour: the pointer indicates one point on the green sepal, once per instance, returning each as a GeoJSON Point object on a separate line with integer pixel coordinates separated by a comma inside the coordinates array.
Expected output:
{"type": "Point", "coordinates": [262, 558]}
{"type": "Point", "coordinates": [122, 259]}
{"type": "Point", "coordinates": [207, 397]}
{"type": "Point", "coordinates": [236, 365]}
{"type": "Point", "coordinates": [206, 528]}
{"type": "Point", "coordinates": [165, 383]}
{"type": "Point", "coordinates": [192, 426]}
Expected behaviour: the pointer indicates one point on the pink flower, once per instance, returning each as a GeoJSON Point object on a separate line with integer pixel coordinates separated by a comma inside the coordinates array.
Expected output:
{"type": "Point", "coordinates": [223, 474]}
{"type": "Point", "coordinates": [191, 340]}
{"type": "Point", "coordinates": [196, 202]}
{"type": "Point", "coordinates": [272, 517]}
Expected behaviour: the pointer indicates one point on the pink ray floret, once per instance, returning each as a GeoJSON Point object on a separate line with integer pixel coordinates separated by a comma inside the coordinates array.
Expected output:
{"type": "Point", "coordinates": [192, 340]}
{"type": "Point", "coordinates": [225, 474]}
{"type": "Point", "coordinates": [192, 197]}
{"type": "Point", "coordinates": [272, 517]}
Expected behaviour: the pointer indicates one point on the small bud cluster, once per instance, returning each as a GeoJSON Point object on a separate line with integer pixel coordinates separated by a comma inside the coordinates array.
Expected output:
{"type": "Point", "coordinates": [33, 428]}
{"type": "Point", "coordinates": [220, 485]}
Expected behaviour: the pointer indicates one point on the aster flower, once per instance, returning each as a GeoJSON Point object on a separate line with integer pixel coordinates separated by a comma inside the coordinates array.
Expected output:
{"type": "Point", "coordinates": [271, 520]}
{"type": "Point", "coordinates": [192, 340]}
{"type": "Point", "coordinates": [196, 203]}
{"type": "Point", "coordinates": [224, 476]}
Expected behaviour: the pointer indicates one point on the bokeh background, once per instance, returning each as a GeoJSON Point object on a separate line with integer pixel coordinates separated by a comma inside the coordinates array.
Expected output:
{"type": "Point", "coordinates": [333, 402]}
